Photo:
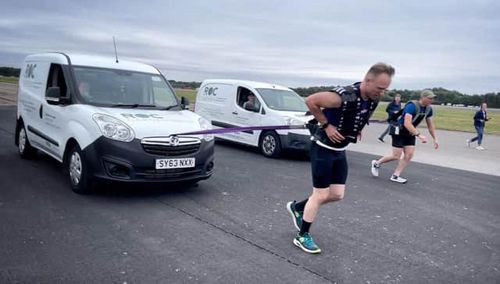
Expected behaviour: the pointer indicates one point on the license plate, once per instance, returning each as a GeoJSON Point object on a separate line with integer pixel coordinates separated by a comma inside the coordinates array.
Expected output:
{"type": "Point", "coordinates": [175, 163]}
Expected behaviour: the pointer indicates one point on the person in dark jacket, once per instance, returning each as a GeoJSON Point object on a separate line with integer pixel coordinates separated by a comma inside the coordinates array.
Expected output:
{"type": "Point", "coordinates": [391, 109]}
{"type": "Point", "coordinates": [480, 119]}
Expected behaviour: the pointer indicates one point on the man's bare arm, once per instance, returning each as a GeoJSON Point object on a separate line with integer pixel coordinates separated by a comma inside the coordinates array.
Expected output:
{"type": "Point", "coordinates": [316, 102]}
{"type": "Point", "coordinates": [412, 129]}
{"type": "Point", "coordinates": [432, 131]}
{"type": "Point", "coordinates": [409, 125]}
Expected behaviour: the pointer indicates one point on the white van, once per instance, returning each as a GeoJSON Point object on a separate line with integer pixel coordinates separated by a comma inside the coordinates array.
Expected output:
{"type": "Point", "coordinates": [109, 120]}
{"type": "Point", "coordinates": [238, 103]}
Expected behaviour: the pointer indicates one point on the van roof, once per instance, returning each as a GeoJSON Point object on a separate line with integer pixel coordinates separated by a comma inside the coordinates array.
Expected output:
{"type": "Point", "coordinates": [93, 61]}
{"type": "Point", "coordinates": [245, 83]}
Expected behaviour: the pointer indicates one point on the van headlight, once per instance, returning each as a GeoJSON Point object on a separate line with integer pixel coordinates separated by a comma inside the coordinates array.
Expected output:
{"type": "Point", "coordinates": [293, 121]}
{"type": "Point", "coordinates": [113, 128]}
{"type": "Point", "coordinates": [206, 125]}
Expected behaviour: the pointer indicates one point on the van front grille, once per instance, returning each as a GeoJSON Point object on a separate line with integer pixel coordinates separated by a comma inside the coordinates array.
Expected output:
{"type": "Point", "coordinates": [171, 146]}
{"type": "Point", "coordinates": [163, 150]}
{"type": "Point", "coordinates": [170, 173]}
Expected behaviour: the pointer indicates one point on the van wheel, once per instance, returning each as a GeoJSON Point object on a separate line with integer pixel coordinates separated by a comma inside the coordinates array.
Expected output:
{"type": "Point", "coordinates": [23, 144]}
{"type": "Point", "coordinates": [76, 168]}
{"type": "Point", "coordinates": [270, 144]}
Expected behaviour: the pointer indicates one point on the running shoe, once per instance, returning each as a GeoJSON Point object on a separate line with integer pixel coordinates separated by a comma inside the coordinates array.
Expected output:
{"type": "Point", "coordinates": [375, 167]}
{"type": "Point", "coordinates": [306, 243]}
{"type": "Point", "coordinates": [397, 179]}
{"type": "Point", "coordinates": [296, 215]}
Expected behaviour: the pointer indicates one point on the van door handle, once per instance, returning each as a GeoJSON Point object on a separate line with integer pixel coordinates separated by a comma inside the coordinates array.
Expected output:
{"type": "Point", "coordinates": [235, 113]}
{"type": "Point", "coordinates": [40, 112]}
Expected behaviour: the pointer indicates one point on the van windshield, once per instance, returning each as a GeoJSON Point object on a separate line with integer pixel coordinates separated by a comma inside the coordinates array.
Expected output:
{"type": "Point", "coordinates": [112, 87]}
{"type": "Point", "coordinates": [284, 100]}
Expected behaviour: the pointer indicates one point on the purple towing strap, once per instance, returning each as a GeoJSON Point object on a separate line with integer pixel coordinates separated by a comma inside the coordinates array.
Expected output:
{"type": "Point", "coordinates": [238, 129]}
{"type": "Point", "coordinates": [250, 128]}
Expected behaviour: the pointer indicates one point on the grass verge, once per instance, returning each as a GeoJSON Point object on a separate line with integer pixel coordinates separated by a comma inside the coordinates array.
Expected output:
{"type": "Point", "coordinates": [454, 118]}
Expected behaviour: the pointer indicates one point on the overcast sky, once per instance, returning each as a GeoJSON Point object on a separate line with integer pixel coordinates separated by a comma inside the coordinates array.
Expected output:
{"type": "Point", "coordinates": [447, 43]}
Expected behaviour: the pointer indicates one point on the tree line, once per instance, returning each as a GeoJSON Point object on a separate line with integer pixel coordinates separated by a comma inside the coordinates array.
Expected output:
{"type": "Point", "coordinates": [444, 96]}
{"type": "Point", "coordinates": [10, 72]}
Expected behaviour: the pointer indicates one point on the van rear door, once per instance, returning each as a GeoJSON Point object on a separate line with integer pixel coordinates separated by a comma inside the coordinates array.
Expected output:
{"type": "Point", "coordinates": [32, 86]}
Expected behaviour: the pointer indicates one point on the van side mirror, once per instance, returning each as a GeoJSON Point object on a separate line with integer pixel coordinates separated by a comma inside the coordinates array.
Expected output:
{"type": "Point", "coordinates": [184, 103]}
{"type": "Point", "coordinates": [53, 95]}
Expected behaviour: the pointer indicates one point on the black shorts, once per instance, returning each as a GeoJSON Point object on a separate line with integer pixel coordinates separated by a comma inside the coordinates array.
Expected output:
{"type": "Point", "coordinates": [399, 141]}
{"type": "Point", "coordinates": [328, 166]}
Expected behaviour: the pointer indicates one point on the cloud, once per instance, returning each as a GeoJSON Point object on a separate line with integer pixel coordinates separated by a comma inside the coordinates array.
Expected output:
{"type": "Point", "coordinates": [451, 44]}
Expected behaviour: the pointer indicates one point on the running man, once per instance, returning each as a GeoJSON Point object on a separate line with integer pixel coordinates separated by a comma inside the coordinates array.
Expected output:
{"type": "Point", "coordinates": [341, 114]}
{"type": "Point", "coordinates": [404, 136]}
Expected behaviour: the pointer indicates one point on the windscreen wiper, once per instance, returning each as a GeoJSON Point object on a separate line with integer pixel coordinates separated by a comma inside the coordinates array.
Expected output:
{"type": "Point", "coordinates": [132, 105]}
{"type": "Point", "coordinates": [169, 107]}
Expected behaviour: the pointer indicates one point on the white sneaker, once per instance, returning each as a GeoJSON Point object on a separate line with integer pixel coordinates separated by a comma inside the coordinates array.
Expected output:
{"type": "Point", "coordinates": [467, 143]}
{"type": "Point", "coordinates": [375, 167]}
{"type": "Point", "coordinates": [480, 148]}
{"type": "Point", "coordinates": [397, 179]}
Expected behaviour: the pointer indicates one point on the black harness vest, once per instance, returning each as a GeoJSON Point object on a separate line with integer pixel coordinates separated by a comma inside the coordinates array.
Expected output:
{"type": "Point", "coordinates": [351, 118]}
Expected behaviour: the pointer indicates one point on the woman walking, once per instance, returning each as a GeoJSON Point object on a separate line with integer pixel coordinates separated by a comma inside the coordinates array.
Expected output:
{"type": "Point", "coordinates": [480, 119]}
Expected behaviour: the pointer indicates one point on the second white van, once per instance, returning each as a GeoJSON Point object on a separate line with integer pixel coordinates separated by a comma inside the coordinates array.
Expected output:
{"type": "Point", "coordinates": [239, 103]}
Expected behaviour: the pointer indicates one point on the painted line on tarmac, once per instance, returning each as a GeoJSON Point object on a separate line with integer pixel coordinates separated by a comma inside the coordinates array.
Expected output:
{"type": "Point", "coordinates": [248, 241]}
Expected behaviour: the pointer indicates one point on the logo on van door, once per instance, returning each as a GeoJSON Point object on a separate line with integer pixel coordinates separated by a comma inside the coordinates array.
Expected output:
{"type": "Point", "coordinates": [210, 91]}
{"type": "Point", "coordinates": [29, 73]}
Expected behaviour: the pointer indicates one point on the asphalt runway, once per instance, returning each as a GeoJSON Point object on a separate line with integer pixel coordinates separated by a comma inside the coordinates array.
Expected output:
{"type": "Point", "coordinates": [441, 227]}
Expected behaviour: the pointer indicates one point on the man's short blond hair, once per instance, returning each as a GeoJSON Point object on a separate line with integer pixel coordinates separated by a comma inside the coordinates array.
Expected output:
{"type": "Point", "coordinates": [380, 68]}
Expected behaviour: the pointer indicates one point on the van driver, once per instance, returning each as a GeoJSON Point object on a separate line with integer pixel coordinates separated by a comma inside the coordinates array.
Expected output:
{"type": "Point", "coordinates": [251, 104]}
{"type": "Point", "coordinates": [84, 89]}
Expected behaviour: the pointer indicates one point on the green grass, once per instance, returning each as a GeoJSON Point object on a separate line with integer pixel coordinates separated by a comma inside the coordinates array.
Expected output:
{"type": "Point", "coordinates": [451, 118]}
{"type": "Point", "coordinates": [188, 93]}
{"type": "Point", "coordinates": [12, 80]}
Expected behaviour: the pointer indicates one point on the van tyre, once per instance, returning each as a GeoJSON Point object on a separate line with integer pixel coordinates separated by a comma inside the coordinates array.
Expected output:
{"type": "Point", "coordinates": [76, 168]}
{"type": "Point", "coordinates": [23, 144]}
{"type": "Point", "coordinates": [270, 144]}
